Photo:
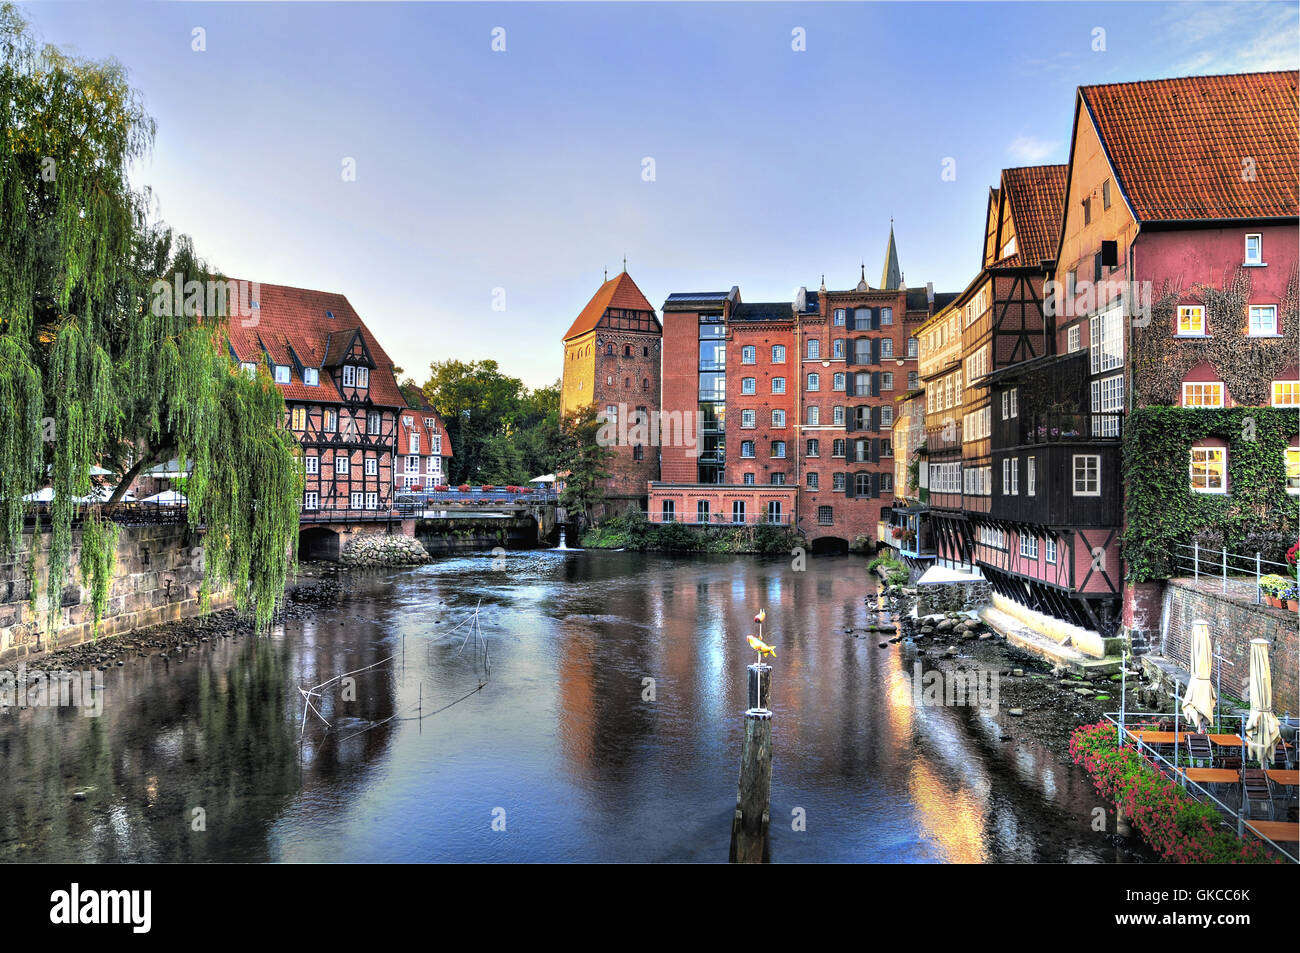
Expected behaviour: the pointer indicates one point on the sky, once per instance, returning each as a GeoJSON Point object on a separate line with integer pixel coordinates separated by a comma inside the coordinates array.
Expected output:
{"type": "Point", "coordinates": [494, 187]}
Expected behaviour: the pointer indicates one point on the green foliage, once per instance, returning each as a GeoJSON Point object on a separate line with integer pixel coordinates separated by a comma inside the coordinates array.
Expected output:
{"type": "Point", "coordinates": [1161, 510]}
{"type": "Point", "coordinates": [633, 531]}
{"type": "Point", "coordinates": [98, 557]}
{"type": "Point", "coordinates": [582, 459]}
{"type": "Point", "coordinates": [90, 370]}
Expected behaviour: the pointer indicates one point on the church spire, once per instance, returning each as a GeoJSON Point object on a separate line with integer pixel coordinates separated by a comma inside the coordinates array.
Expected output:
{"type": "Point", "coordinates": [891, 278]}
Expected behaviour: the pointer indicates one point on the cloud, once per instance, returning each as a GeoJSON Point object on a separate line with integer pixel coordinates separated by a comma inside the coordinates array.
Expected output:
{"type": "Point", "coordinates": [1031, 150]}
{"type": "Point", "coordinates": [1245, 37]}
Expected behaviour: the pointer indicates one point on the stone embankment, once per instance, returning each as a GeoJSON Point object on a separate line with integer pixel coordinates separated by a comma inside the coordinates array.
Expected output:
{"type": "Point", "coordinates": [379, 549]}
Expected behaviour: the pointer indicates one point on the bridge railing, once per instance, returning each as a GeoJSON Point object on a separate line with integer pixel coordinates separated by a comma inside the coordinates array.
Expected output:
{"type": "Point", "coordinates": [478, 496]}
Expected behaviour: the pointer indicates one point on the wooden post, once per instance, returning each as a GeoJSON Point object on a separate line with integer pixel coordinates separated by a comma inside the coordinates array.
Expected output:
{"type": "Point", "coordinates": [749, 826]}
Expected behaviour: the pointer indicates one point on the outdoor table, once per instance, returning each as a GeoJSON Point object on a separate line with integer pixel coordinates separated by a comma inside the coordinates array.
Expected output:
{"type": "Point", "coordinates": [1284, 777]}
{"type": "Point", "coordinates": [1280, 831]}
{"type": "Point", "coordinates": [1163, 737]}
{"type": "Point", "coordinates": [1227, 741]}
{"type": "Point", "coordinates": [1212, 775]}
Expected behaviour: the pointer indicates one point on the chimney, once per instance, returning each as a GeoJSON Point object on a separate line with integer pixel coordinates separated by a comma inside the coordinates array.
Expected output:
{"type": "Point", "coordinates": [929, 293]}
{"type": "Point", "coordinates": [800, 300]}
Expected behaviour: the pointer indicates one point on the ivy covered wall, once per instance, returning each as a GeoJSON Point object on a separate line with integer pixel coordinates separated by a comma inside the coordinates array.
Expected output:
{"type": "Point", "coordinates": [1160, 509]}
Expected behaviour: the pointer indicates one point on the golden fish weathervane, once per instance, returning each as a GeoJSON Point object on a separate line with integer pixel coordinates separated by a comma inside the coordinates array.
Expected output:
{"type": "Point", "coordinates": [756, 642]}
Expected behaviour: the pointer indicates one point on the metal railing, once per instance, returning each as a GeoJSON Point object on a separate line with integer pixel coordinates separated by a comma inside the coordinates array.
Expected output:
{"type": "Point", "coordinates": [1233, 818]}
{"type": "Point", "coordinates": [1239, 574]}
{"type": "Point", "coordinates": [720, 520]}
{"type": "Point", "coordinates": [1056, 427]}
{"type": "Point", "coordinates": [474, 495]}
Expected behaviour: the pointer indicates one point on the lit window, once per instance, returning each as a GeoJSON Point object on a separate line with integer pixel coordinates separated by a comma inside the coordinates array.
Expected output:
{"type": "Point", "coordinates": [1254, 250]}
{"type": "Point", "coordinates": [1087, 474]}
{"type": "Point", "coordinates": [299, 418]}
{"type": "Point", "coordinates": [1286, 393]}
{"type": "Point", "coordinates": [1293, 469]}
{"type": "Point", "coordinates": [1209, 470]}
{"type": "Point", "coordinates": [1263, 320]}
{"type": "Point", "coordinates": [1191, 319]}
{"type": "Point", "coordinates": [1203, 394]}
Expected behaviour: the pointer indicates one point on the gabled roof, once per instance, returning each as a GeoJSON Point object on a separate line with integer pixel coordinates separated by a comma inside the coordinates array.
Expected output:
{"type": "Point", "coordinates": [292, 326]}
{"type": "Point", "coordinates": [1036, 195]}
{"type": "Point", "coordinates": [1179, 147]}
{"type": "Point", "coordinates": [618, 292]}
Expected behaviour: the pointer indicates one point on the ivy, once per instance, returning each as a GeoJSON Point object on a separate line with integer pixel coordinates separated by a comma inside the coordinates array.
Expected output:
{"type": "Point", "coordinates": [1161, 511]}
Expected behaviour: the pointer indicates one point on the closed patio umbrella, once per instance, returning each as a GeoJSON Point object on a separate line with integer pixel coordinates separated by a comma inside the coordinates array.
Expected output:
{"type": "Point", "coordinates": [1198, 704]}
{"type": "Point", "coordinates": [1262, 733]}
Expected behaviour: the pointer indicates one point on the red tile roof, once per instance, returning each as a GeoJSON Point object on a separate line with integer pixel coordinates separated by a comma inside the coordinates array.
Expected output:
{"type": "Point", "coordinates": [619, 292]}
{"type": "Point", "coordinates": [1037, 197]}
{"type": "Point", "coordinates": [1179, 146]}
{"type": "Point", "coordinates": [418, 416]}
{"type": "Point", "coordinates": [291, 322]}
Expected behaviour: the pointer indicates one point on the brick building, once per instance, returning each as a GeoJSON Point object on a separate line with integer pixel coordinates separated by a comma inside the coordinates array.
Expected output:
{"type": "Point", "coordinates": [342, 400]}
{"type": "Point", "coordinates": [795, 402]}
{"type": "Point", "coordinates": [423, 448]}
{"type": "Point", "coordinates": [612, 361]}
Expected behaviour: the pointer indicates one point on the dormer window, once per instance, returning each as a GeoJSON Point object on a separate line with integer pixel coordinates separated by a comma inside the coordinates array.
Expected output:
{"type": "Point", "coordinates": [311, 377]}
{"type": "Point", "coordinates": [363, 377]}
{"type": "Point", "coordinates": [248, 367]}
{"type": "Point", "coordinates": [349, 376]}
{"type": "Point", "coordinates": [1254, 249]}
{"type": "Point", "coordinates": [1010, 247]}
{"type": "Point", "coordinates": [282, 373]}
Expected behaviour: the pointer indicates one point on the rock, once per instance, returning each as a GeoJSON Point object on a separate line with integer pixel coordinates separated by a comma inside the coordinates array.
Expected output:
{"type": "Point", "coordinates": [985, 636]}
{"type": "Point", "coordinates": [950, 650]}
{"type": "Point", "coordinates": [1018, 672]}
{"type": "Point", "coordinates": [1016, 712]}
{"type": "Point", "coordinates": [78, 795]}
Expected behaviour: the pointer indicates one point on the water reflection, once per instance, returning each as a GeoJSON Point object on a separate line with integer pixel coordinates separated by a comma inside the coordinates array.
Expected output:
{"type": "Point", "coordinates": [587, 758]}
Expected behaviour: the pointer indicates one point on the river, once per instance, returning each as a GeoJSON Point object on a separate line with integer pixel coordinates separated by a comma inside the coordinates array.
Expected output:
{"type": "Point", "coordinates": [566, 753]}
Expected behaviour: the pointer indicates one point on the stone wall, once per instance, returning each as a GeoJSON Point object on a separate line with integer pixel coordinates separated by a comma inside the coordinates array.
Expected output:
{"type": "Point", "coordinates": [1233, 624]}
{"type": "Point", "coordinates": [952, 597]}
{"type": "Point", "coordinates": [383, 549]}
{"type": "Point", "coordinates": [157, 576]}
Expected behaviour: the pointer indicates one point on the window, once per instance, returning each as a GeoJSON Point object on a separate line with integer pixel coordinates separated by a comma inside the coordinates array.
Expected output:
{"type": "Point", "coordinates": [747, 449]}
{"type": "Point", "coordinates": [331, 421]}
{"type": "Point", "coordinates": [837, 348]}
{"type": "Point", "coordinates": [814, 382]}
{"type": "Point", "coordinates": [434, 465]}
{"type": "Point", "coordinates": [913, 347]}
{"type": "Point", "coordinates": [886, 417]}
{"type": "Point", "coordinates": [1087, 210]}
{"type": "Point", "coordinates": [1263, 320]}
{"type": "Point", "coordinates": [1031, 477]}
{"type": "Point", "coordinates": [837, 482]}
{"type": "Point", "coordinates": [1254, 250]}
{"type": "Point", "coordinates": [837, 416]}
{"type": "Point", "coordinates": [702, 511]}
{"type": "Point", "coordinates": [1087, 474]}
{"type": "Point", "coordinates": [913, 380]}
{"type": "Point", "coordinates": [838, 447]}
{"type": "Point", "coordinates": [1106, 339]}
{"type": "Point", "coordinates": [363, 377]}
{"type": "Point", "coordinates": [814, 416]}
{"type": "Point", "coordinates": [862, 384]}
{"type": "Point", "coordinates": [311, 377]}
{"type": "Point", "coordinates": [1203, 394]}
{"type": "Point", "coordinates": [1108, 399]}
{"type": "Point", "coordinates": [1072, 339]}
{"type": "Point", "coordinates": [813, 448]}
{"type": "Point", "coordinates": [747, 419]}
{"type": "Point", "coordinates": [311, 501]}
{"type": "Point", "coordinates": [248, 367]}
{"type": "Point", "coordinates": [1028, 546]}
{"type": "Point", "coordinates": [1105, 194]}
{"type": "Point", "coordinates": [777, 479]}
{"type": "Point", "coordinates": [825, 515]}
{"type": "Point", "coordinates": [412, 464]}
{"type": "Point", "coordinates": [1010, 476]}
{"type": "Point", "coordinates": [778, 353]}
{"type": "Point", "coordinates": [748, 479]}
{"type": "Point", "coordinates": [748, 354]}
{"type": "Point", "coordinates": [298, 418]}
{"type": "Point", "coordinates": [341, 464]}
{"type": "Point", "coordinates": [862, 484]}
{"type": "Point", "coordinates": [813, 481]}
{"type": "Point", "coordinates": [282, 373]}
{"type": "Point", "coordinates": [1049, 549]}
{"type": "Point", "coordinates": [645, 383]}
{"type": "Point", "coordinates": [814, 349]}
{"type": "Point", "coordinates": [774, 511]}
{"type": "Point", "coordinates": [778, 449]}
{"type": "Point", "coordinates": [886, 380]}
{"type": "Point", "coordinates": [886, 347]}
{"type": "Point", "coordinates": [1293, 469]}
{"type": "Point", "coordinates": [372, 501]}
{"type": "Point", "coordinates": [638, 452]}
{"type": "Point", "coordinates": [837, 382]}
{"type": "Point", "coordinates": [747, 385]}
{"type": "Point", "coordinates": [668, 511]}
{"type": "Point", "coordinates": [357, 501]}
{"type": "Point", "coordinates": [415, 443]}
{"type": "Point", "coordinates": [778, 418]}
{"type": "Point", "coordinates": [839, 317]}
{"type": "Point", "coordinates": [1191, 319]}
{"type": "Point", "coordinates": [349, 376]}
{"type": "Point", "coordinates": [311, 464]}
{"type": "Point", "coordinates": [738, 510]}
{"type": "Point", "coordinates": [372, 466]}
{"type": "Point", "coordinates": [1286, 393]}
{"type": "Point", "coordinates": [886, 483]}
{"type": "Point", "coordinates": [778, 385]}
{"type": "Point", "coordinates": [1208, 470]}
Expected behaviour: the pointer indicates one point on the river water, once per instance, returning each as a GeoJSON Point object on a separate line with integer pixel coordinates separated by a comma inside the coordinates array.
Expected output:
{"type": "Point", "coordinates": [562, 754]}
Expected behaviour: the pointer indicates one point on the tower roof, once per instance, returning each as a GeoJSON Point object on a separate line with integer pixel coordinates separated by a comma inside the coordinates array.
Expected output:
{"type": "Point", "coordinates": [618, 292]}
{"type": "Point", "coordinates": [891, 277]}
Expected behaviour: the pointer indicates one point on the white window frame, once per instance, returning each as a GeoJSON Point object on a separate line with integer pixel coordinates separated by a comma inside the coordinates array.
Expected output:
{"type": "Point", "coordinates": [1028, 546]}
{"type": "Point", "coordinates": [349, 375]}
{"type": "Point", "coordinates": [1031, 477]}
{"type": "Point", "coordinates": [311, 500]}
{"type": "Point", "coordinates": [282, 373]}
{"type": "Point", "coordinates": [1209, 453]}
{"type": "Point", "coordinates": [372, 501]}
{"type": "Point", "coordinates": [1106, 339]}
{"type": "Point", "coordinates": [1258, 258]}
{"type": "Point", "coordinates": [1049, 550]}
{"type": "Point", "coordinates": [311, 464]}
{"type": "Point", "coordinates": [311, 376]}
{"type": "Point", "coordinates": [1190, 388]}
{"type": "Point", "coordinates": [1088, 461]}
{"type": "Point", "coordinates": [1290, 391]}
{"type": "Point", "coordinates": [1292, 481]}
{"type": "Point", "coordinates": [1189, 311]}
{"type": "Point", "coordinates": [341, 465]}
{"type": "Point", "coordinates": [1271, 311]}
{"type": "Point", "coordinates": [357, 500]}
{"type": "Point", "coordinates": [1072, 339]}
{"type": "Point", "coordinates": [372, 466]}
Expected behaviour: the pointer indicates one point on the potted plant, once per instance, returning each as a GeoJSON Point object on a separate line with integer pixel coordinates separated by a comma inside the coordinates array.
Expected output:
{"type": "Point", "coordinates": [1271, 586]}
{"type": "Point", "coordinates": [1291, 596]}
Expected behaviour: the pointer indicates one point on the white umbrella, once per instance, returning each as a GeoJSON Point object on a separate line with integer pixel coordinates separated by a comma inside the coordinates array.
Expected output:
{"type": "Point", "coordinates": [45, 495]}
{"type": "Point", "coordinates": [167, 498]}
{"type": "Point", "coordinates": [1198, 704]}
{"type": "Point", "coordinates": [1262, 727]}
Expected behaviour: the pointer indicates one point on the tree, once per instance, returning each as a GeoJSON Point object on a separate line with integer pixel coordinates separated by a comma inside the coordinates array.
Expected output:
{"type": "Point", "coordinates": [92, 368]}
{"type": "Point", "coordinates": [582, 460]}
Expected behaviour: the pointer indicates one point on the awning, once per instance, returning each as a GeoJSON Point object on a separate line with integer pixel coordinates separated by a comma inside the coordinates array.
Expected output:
{"type": "Point", "coordinates": [937, 575]}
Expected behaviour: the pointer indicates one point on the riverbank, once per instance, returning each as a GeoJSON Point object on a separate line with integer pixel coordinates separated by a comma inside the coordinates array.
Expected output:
{"type": "Point", "coordinates": [634, 532]}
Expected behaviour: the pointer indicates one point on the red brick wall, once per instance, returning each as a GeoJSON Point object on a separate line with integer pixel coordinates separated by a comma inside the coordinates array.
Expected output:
{"type": "Point", "coordinates": [681, 390]}
{"type": "Point", "coordinates": [762, 336]}
{"type": "Point", "coordinates": [628, 381]}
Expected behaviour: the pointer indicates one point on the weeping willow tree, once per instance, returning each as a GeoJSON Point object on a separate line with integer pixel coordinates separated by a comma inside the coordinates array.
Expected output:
{"type": "Point", "coordinates": [92, 371]}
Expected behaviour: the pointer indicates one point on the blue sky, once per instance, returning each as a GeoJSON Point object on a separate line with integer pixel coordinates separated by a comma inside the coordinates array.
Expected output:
{"type": "Point", "coordinates": [522, 170]}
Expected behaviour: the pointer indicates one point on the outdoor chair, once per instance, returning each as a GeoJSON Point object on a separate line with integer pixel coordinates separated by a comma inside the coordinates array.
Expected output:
{"type": "Point", "coordinates": [1231, 762]}
{"type": "Point", "coordinates": [1255, 784]}
{"type": "Point", "coordinates": [1199, 750]}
